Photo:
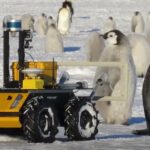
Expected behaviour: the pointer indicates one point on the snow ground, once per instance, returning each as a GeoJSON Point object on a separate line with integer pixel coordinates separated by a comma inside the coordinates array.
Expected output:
{"type": "Point", "coordinates": [89, 16]}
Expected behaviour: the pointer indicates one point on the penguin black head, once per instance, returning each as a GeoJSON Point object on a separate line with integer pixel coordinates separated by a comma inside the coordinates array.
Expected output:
{"type": "Point", "coordinates": [66, 4]}
{"type": "Point", "coordinates": [50, 17]}
{"type": "Point", "coordinates": [114, 37]}
{"type": "Point", "coordinates": [111, 18]}
{"type": "Point", "coordinates": [43, 14]}
{"type": "Point", "coordinates": [136, 13]}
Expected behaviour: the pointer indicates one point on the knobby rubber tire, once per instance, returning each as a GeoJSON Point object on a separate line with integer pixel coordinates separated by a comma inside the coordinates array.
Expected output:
{"type": "Point", "coordinates": [39, 120]}
{"type": "Point", "coordinates": [81, 120]}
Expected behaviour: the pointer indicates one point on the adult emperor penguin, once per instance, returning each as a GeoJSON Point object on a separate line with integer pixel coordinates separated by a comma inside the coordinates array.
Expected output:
{"type": "Point", "coordinates": [54, 42]}
{"type": "Point", "coordinates": [64, 19]}
{"type": "Point", "coordinates": [94, 46]}
{"type": "Point", "coordinates": [141, 53]}
{"type": "Point", "coordinates": [137, 23]}
{"type": "Point", "coordinates": [110, 80]}
{"type": "Point", "coordinates": [109, 24]}
{"type": "Point", "coordinates": [146, 104]}
{"type": "Point", "coordinates": [41, 24]}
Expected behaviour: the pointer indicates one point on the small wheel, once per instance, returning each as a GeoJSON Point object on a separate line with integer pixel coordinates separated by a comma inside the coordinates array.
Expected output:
{"type": "Point", "coordinates": [39, 120]}
{"type": "Point", "coordinates": [81, 120]}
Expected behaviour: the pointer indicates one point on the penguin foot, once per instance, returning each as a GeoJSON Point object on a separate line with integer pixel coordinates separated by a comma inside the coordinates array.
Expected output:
{"type": "Point", "coordinates": [142, 132]}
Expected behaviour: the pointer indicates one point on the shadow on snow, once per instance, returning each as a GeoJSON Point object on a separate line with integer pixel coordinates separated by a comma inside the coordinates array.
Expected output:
{"type": "Point", "coordinates": [136, 120]}
{"type": "Point", "coordinates": [118, 136]}
{"type": "Point", "coordinates": [71, 49]}
{"type": "Point", "coordinates": [92, 30]}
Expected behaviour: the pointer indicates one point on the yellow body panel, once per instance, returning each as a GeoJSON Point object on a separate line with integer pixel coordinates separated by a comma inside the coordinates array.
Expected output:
{"type": "Point", "coordinates": [10, 122]}
{"type": "Point", "coordinates": [10, 105]}
{"type": "Point", "coordinates": [35, 83]}
{"type": "Point", "coordinates": [7, 101]}
{"type": "Point", "coordinates": [49, 68]}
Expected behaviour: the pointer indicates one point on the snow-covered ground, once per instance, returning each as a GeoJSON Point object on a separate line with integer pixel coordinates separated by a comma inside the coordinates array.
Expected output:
{"type": "Point", "coordinates": [89, 16]}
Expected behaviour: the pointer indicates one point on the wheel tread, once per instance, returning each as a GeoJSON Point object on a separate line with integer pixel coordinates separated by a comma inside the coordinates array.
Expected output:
{"type": "Point", "coordinates": [71, 121]}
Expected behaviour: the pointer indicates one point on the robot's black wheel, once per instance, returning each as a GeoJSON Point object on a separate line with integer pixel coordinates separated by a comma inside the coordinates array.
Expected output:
{"type": "Point", "coordinates": [81, 120]}
{"type": "Point", "coordinates": [39, 120]}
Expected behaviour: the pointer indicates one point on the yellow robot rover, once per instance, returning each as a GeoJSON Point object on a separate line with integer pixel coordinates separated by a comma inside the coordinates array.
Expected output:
{"type": "Point", "coordinates": [31, 99]}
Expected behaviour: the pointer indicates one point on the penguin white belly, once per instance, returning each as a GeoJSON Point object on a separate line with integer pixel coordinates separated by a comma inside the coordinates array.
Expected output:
{"type": "Point", "coordinates": [141, 58]}
{"type": "Point", "coordinates": [140, 53]}
{"type": "Point", "coordinates": [64, 21]}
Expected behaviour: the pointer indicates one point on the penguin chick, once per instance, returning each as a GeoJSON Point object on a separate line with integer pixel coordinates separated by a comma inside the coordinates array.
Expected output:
{"type": "Point", "coordinates": [110, 24]}
{"type": "Point", "coordinates": [117, 50]}
{"type": "Point", "coordinates": [54, 42]}
{"type": "Point", "coordinates": [41, 25]}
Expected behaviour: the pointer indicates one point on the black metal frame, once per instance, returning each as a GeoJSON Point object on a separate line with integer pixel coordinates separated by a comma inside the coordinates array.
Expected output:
{"type": "Point", "coordinates": [6, 75]}
{"type": "Point", "coordinates": [21, 58]}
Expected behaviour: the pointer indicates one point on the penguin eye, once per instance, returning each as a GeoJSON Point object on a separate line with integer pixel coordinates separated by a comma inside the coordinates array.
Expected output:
{"type": "Point", "coordinates": [111, 36]}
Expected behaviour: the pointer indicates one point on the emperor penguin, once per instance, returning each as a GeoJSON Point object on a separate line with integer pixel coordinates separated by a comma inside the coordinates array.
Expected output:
{"type": "Point", "coordinates": [27, 21]}
{"type": "Point", "coordinates": [64, 19]}
{"type": "Point", "coordinates": [94, 46]}
{"type": "Point", "coordinates": [41, 25]}
{"type": "Point", "coordinates": [147, 27]}
{"type": "Point", "coordinates": [109, 24]}
{"type": "Point", "coordinates": [54, 42]}
{"type": "Point", "coordinates": [137, 23]}
{"type": "Point", "coordinates": [110, 79]}
{"type": "Point", "coordinates": [146, 104]}
{"type": "Point", "coordinates": [140, 48]}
